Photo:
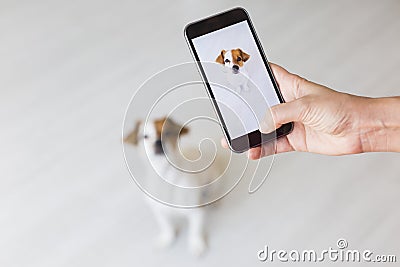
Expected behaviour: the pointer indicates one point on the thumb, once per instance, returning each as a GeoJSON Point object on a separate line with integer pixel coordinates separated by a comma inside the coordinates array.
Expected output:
{"type": "Point", "coordinates": [281, 114]}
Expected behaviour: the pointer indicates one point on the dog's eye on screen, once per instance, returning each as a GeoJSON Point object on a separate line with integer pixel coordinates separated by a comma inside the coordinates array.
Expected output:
{"type": "Point", "coordinates": [227, 61]}
{"type": "Point", "coordinates": [239, 59]}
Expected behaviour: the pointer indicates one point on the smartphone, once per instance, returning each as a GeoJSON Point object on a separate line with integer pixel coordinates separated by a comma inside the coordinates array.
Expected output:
{"type": "Point", "coordinates": [237, 76]}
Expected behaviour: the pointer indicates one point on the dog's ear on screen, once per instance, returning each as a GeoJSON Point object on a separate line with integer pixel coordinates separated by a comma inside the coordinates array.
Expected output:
{"type": "Point", "coordinates": [220, 58]}
{"type": "Point", "coordinates": [244, 55]}
{"type": "Point", "coordinates": [133, 137]}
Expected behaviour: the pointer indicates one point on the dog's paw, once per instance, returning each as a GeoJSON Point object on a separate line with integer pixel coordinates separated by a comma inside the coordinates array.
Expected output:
{"type": "Point", "coordinates": [165, 240]}
{"type": "Point", "coordinates": [197, 246]}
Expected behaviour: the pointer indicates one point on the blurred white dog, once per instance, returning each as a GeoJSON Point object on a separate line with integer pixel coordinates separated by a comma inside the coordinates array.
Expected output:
{"type": "Point", "coordinates": [160, 139]}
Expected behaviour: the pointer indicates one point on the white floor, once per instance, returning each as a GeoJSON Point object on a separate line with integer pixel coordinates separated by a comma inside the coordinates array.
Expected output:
{"type": "Point", "coordinates": [68, 70]}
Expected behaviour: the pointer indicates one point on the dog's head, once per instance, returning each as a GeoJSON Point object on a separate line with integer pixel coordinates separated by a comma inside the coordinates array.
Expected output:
{"type": "Point", "coordinates": [157, 135]}
{"type": "Point", "coordinates": [234, 59]}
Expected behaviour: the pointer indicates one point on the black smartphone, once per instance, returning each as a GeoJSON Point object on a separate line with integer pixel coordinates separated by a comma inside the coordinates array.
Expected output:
{"type": "Point", "coordinates": [237, 76]}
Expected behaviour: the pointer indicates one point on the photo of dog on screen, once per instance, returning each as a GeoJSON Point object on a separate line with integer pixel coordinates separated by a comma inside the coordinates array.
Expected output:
{"type": "Point", "coordinates": [234, 60]}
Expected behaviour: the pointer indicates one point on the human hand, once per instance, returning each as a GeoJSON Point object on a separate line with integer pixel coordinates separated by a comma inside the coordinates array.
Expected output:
{"type": "Point", "coordinates": [325, 121]}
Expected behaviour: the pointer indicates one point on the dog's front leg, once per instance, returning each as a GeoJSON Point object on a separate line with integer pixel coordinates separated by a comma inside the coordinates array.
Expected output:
{"type": "Point", "coordinates": [197, 239]}
{"type": "Point", "coordinates": [167, 229]}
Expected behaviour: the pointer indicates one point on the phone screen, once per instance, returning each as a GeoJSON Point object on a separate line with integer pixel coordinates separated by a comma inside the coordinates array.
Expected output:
{"type": "Point", "coordinates": [247, 91]}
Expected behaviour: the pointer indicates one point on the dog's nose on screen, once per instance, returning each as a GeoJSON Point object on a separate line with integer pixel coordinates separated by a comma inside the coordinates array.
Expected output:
{"type": "Point", "coordinates": [235, 68]}
{"type": "Point", "coordinates": [158, 149]}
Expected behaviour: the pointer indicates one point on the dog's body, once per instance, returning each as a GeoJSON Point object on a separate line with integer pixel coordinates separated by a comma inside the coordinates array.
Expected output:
{"type": "Point", "coordinates": [236, 74]}
{"type": "Point", "coordinates": [160, 139]}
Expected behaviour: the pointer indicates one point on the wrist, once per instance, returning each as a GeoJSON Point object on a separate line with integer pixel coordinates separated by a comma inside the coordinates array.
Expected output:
{"type": "Point", "coordinates": [379, 129]}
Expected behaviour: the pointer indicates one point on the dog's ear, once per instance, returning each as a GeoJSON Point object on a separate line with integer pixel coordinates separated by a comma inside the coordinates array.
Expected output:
{"type": "Point", "coordinates": [133, 137]}
{"type": "Point", "coordinates": [175, 128]}
{"type": "Point", "coordinates": [184, 130]}
{"type": "Point", "coordinates": [220, 58]}
{"type": "Point", "coordinates": [244, 55]}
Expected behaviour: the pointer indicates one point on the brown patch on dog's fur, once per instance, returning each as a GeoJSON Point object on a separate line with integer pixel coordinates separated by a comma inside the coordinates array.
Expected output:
{"type": "Point", "coordinates": [184, 130]}
{"type": "Point", "coordinates": [220, 58]}
{"type": "Point", "coordinates": [133, 137]}
{"type": "Point", "coordinates": [239, 57]}
{"type": "Point", "coordinates": [169, 127]}
{"type": "Point", "coordinates": [159, 124]}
